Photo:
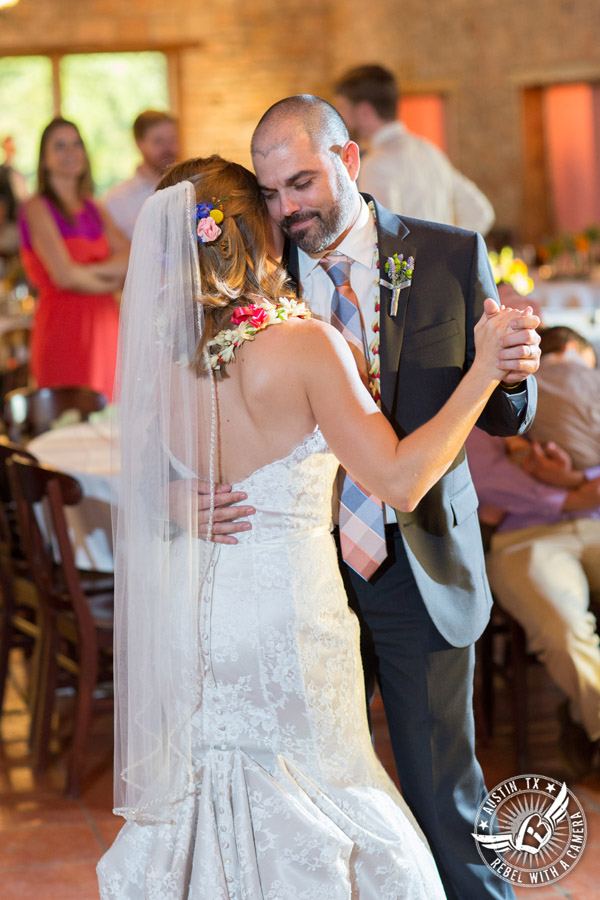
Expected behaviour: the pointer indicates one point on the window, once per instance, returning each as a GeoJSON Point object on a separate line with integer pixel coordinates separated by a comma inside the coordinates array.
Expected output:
{"type": "Point", "coordinates": [101, 92]}
{"type": "Point", "coordinates": [26, 104]}
{"type": "Point", "coordinates": [561, 148]}
{"type": "Point", "coordinates": [572, 120]}
{"type": "Point", "coordinates": [424, 115]}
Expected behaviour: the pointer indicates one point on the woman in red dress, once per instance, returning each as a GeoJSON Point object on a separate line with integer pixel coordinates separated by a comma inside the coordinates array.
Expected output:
{"type": "Point", "coordinates": [76, 257]}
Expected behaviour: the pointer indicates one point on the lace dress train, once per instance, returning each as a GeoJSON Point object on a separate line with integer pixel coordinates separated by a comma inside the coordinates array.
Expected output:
{"type": "Point", "coordinates": [290, 801]}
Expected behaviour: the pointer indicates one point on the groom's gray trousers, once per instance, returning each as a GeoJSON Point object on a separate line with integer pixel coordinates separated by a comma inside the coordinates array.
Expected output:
{"type": "Point", "coordinates": [427, 690]}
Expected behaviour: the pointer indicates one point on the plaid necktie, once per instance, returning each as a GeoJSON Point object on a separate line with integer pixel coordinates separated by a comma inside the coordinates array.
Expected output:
{"type": "Point", "coordinates": [362, 533]}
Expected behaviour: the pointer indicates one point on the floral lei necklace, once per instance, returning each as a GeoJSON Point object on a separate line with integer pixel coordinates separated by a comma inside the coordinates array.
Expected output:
{"type": "Point", "coordinates": [248, 321]}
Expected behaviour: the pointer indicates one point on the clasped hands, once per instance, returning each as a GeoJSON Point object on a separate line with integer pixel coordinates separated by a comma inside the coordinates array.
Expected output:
{"type": "Point", "coordinates": [519, 354]}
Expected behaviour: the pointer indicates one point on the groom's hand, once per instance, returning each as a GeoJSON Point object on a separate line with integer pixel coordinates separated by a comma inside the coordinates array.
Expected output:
{"type": "Point", "coordinates": [228, 518]}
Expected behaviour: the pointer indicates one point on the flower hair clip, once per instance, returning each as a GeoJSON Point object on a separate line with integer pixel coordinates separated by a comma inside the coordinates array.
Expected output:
{"type": "Point", "coordinates": [209, 216]}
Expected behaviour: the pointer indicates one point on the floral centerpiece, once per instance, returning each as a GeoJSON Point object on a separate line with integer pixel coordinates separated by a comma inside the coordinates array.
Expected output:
{"type": "Point", "coordinates": [509, 269]}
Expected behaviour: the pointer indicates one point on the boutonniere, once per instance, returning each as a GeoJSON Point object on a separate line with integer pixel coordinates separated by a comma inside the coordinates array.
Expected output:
{"type": "Point", "coordinates": [400, 272]}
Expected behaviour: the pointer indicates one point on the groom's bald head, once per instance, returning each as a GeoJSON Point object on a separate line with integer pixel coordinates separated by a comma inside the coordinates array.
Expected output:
{"type": "Point", "coordinates": [303, 113]}
{"type": "Point", "coordinates": [306, 169]}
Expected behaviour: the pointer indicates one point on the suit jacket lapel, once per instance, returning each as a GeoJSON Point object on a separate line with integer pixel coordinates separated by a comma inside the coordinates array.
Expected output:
{"type": "Point", "coordinates": [392, 237]}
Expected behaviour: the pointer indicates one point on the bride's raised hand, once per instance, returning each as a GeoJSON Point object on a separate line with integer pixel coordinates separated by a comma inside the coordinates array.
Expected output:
{"type": "Point", "coordinates": [520, 353]}
{"type": "Point", "coordinates": [506, 340]}
{"type": "Point", "coordinates": [490, 331]}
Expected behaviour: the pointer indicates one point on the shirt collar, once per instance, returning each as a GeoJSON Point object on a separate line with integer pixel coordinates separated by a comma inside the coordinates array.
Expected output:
{"type": "Point", "coordinates": [357, 245]}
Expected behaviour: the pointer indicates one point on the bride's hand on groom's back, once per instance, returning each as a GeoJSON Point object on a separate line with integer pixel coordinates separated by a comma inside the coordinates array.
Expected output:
{"type": "Point", "coordinates": [229, 517]}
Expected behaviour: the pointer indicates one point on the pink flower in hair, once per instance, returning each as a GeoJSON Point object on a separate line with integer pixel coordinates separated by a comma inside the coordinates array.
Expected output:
{"type": "Point", "coordinates": [208, 230]}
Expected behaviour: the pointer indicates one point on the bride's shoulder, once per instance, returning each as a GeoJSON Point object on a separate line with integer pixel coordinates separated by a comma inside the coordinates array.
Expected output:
{"type": "Point", "coordinates": [301, 345]}
{"type": "Point", "coordinates": [307, 330]}
{"type": "Point", "coordinates": [297, 334]}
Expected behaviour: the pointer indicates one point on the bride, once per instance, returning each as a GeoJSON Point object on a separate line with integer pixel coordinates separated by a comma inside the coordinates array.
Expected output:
{"type": "Point", "coordinates": [244, 764]}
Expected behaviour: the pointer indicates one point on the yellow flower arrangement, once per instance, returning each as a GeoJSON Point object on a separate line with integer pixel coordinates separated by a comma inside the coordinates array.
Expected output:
{"type": "Point", "coordinates": [511, 270]}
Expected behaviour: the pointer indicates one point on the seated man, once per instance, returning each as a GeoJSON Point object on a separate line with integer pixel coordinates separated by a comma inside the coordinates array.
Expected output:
{"type": "Point", "coordinates": [568, 410]}
{"type": "Point", "coordinates": [543, 563]}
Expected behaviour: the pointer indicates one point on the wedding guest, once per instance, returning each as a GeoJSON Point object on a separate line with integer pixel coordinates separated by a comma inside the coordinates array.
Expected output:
{"type": "Point", "coordinates": [401, 170]}
{"type": "Point", "coordinates": [13, 191]}
{"type": "Point", "coordinates": [17, 179]}
{"type": "Point", "coordinates": [155, 135]}
{"type": "Point", "coordinates": [568, 411]}
{"type": "Point", "coordinates": [76, 258]}
{"type": "Point", "coordinates": [543, 563]}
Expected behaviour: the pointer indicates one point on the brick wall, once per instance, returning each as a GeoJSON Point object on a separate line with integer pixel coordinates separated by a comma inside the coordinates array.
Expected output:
{"type": "Point", "coordinates": [480, 53]}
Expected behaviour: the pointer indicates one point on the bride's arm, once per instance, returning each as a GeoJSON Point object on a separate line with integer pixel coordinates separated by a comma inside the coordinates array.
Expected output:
{"type": "Point", "coordinates": [400, 472]}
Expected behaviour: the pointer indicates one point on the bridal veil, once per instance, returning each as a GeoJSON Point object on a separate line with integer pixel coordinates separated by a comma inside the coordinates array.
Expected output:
{"type": "Point", "coordinates": [167, 435]}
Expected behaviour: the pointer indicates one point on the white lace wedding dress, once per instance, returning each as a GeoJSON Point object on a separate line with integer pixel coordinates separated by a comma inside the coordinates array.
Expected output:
{"type": "Point", "coordinates": [290, 801]}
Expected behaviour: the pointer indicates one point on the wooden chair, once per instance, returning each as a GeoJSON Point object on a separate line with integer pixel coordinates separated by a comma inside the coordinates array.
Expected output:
{"type": "Point", "coordinates": [77, 624]}
{"type": "Point", "coordinates": [29, 412]}
{"type": "Point", "coordinates": [502, 651]}
{"type": "Point", "coordinates": [14, 359]}
{"type": "Point", "coordinates": [503, 654]}
{"type": "Point", "coordinates": [19, 605]}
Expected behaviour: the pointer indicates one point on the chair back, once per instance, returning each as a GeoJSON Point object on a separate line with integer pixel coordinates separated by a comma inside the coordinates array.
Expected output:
{"type": "Point", "coordinates": [10, 544]}
{"type": "Point", "coordinates": [55, 574]}
{"type": "Point", "coordinates": [29, 412]}
{"type": "Point", "coordinates": [7, 449]}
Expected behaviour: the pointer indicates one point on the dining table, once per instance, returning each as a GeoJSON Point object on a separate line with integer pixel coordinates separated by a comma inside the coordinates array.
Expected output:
{"type": "Point", "coordinates": [89, 452]}
{"type": "Point", "coordinates": [574, 302]}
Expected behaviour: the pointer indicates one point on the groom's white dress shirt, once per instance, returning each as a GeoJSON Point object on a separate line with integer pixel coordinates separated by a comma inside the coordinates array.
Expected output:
{"type": "Point", "coordinates": [317, 288]}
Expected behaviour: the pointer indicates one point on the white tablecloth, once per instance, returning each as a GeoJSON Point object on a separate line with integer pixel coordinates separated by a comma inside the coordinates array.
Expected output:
{"type": "Point", "coordinates": [570, 294]}
{"type": "Point", "coordinates": [575, 303]}
{"type": "Point", "coordinates": [84, 451]}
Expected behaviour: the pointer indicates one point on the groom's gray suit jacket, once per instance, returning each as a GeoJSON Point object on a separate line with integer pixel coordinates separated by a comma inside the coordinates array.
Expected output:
{"type": "Point", "coordinates": [425, 349]}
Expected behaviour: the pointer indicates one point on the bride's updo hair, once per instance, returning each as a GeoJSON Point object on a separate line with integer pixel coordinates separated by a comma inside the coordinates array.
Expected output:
{"type": "Point", "coordinates": [235, 269]}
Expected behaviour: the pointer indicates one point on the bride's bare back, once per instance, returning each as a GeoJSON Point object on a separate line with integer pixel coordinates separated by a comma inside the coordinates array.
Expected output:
{"type": "Point", "coordinates": [263, 410]}
{"type": "Point", "coordinates": [301, 373]}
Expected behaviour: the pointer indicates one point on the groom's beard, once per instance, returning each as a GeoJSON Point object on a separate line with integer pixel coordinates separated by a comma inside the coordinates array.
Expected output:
{"type": "Point", "coordinates": [325, 225]}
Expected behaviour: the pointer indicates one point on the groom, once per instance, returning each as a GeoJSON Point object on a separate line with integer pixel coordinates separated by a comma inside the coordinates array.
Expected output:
{"type": "Point", "coordinates": [427, 603]}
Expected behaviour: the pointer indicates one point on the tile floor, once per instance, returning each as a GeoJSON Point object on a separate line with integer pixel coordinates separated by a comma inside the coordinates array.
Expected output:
{"type": "Point", "coordinates": [49, 845]}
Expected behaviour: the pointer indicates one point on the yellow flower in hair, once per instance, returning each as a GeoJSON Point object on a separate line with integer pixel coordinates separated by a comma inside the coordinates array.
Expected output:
{"type": "Point", "coordinates": [217, 215]}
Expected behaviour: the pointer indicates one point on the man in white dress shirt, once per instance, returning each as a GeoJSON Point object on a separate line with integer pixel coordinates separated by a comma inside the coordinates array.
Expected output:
{"type": "Point", "coordinates": [155, 134]}
{"type": "Point", "coordinates": [403, 171]}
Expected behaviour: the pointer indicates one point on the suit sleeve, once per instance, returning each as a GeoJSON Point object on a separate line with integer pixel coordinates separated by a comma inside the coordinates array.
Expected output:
{"type": "Point", "coordinates": [506, 412]}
